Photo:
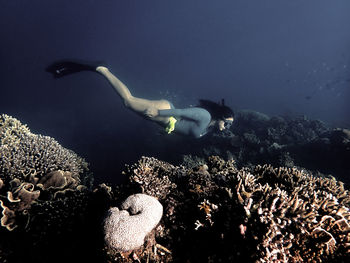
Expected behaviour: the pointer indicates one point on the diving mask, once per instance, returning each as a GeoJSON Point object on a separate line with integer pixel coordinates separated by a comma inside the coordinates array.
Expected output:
{"type": "Point", "coordinates": [228, 122]}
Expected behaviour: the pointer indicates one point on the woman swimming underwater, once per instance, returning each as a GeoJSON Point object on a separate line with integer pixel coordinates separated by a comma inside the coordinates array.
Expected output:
{"type": "Point", "coordinates": [193, 121]}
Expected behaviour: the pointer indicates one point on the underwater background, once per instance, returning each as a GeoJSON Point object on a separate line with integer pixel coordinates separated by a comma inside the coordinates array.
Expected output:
{"type": "Point", "coordinates": [277, 57]}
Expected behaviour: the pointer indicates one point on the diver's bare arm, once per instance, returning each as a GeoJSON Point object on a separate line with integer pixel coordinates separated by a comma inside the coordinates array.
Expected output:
{"type": "Point", "coordinates": [118, 86]}
{"type": "Point", "coordinates": [194, 114]}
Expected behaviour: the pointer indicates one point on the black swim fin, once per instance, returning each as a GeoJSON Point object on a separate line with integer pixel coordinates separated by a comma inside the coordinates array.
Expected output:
{"type": "Point", "coordinates": [62, 68]}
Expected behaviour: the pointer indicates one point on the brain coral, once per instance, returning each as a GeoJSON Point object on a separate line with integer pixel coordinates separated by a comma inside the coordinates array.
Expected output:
{"type": "Point", "coordinates": [126, 229]}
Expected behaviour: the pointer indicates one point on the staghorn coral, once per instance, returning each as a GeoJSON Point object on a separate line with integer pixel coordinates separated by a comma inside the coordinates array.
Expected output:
{"type": "Point", "coordinates": [291, 207]}
{"type": "Point", "coordinates": [126, 229]}
{"type": "Point", "coordinates": [219, 213]}
{"type": "Point", "coordinates": [152, 176]}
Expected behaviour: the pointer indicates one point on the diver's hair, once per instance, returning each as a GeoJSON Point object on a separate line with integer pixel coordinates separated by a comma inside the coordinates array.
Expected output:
{"type": "Point", "coordinates": [216, 110]}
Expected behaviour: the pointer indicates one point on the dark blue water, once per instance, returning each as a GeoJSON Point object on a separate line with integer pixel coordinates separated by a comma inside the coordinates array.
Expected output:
{"type": "Point", "coordinates": [276, 57]}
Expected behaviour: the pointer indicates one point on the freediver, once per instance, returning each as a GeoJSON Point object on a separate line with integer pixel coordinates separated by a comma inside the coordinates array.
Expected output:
{"type": "Point", "coordinates": [192, 121]}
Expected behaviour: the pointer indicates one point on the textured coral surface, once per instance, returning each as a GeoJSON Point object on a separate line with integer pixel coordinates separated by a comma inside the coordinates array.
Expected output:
{"type": "Point", "coordinates": [127, 228]}
{"type": "Point", "coordinates": [213, 210]}
{"type": "Point", "coordinates": [43, 189]}
{"type": "Point", "coordinates": [218, 213]}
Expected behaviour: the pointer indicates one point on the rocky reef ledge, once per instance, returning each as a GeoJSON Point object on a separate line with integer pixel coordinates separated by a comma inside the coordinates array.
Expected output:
{"type": "Point", "coordinates": [210, 211]}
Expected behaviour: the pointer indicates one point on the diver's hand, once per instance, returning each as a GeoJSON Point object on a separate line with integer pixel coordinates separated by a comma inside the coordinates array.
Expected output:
{"type": "Point", "coordinates": [151, 112]}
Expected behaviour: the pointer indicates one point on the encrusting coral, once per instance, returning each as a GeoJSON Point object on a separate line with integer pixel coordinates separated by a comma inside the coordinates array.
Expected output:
{"type": "Point", "coordinates": [216, 212]}
{"type": "Point", "coordinates": [126, 229]}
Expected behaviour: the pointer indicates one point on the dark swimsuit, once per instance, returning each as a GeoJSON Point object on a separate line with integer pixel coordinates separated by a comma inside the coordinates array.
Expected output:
{"type": "Point", "coordinates": [190, 121]}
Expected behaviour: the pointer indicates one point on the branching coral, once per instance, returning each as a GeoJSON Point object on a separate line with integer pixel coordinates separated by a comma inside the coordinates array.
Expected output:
{"type": "Point", "coordinates": [152, 176]}
{"type": "Point", "coordinates": [33, 168]}
{"type": "Point", "coordinates": [213, 211]}
{"type": "Point", "coordinates": [290, 208]}
{"type": "Point", "coordinates": [41, 154]}
{"type": "Point", "coordinates": [264, 214]}
{"type": "Point", "coordinates": [126, 229]}
{"type": "Point", "coordinates": [11, 130]}
{"type": "Point", "coordinates": [43, 193]}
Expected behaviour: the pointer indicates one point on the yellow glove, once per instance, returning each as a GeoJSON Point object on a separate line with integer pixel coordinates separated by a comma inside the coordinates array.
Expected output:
{"type": "Point", "coordinates": [171, 125]}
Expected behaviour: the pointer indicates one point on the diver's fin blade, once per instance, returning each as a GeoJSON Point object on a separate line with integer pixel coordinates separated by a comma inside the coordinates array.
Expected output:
{"type": "Point", "coordinates": [62, 68]}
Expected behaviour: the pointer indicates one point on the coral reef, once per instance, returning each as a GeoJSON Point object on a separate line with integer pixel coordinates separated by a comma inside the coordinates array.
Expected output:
{"type": "Point", "coordinates": [126, 231]}
{"type": "Point", "coordinates": [32, 167]}
{"type": "Point", "coordinates": [43, 186]}
{"type": "Point", "coordinates": [255, 138]}
{"type": "Point", "coordinates": [146, 176]}
{"type": "Point", "coordinates": [214, 210]}
{"type": "Point", "coordinates": [11, 130]}
{"type": "Point", "coordinates": [218, 213]}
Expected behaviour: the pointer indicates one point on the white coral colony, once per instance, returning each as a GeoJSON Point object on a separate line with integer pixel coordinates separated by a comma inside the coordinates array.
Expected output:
{"type": "Point", "coordinates": [126, 229]}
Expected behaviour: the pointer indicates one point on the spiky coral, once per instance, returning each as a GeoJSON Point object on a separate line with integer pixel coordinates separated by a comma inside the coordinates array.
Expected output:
{"type": "Point", "coordinates": [145, 174]}
{"type": "Point", "coordinates": [304, 218]}
{"type": "Point", "coordinates": [11, 130]}
{"type": "Point", "coordinates": [23, 152]}
{"type": "Point", "coordinates": [43, 189]}
{"type": "Point", "coordinates": [33, 167]}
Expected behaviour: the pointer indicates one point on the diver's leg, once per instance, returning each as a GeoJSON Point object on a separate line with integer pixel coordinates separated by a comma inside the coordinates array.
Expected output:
{"type": "Point", "coordinates": [118, 86]}
{"type": "Point", "coordinates": [137, 104]}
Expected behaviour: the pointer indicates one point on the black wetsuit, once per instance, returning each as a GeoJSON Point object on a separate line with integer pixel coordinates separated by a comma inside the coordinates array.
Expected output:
{"type": "Point", "coordinates": [190, 121]}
